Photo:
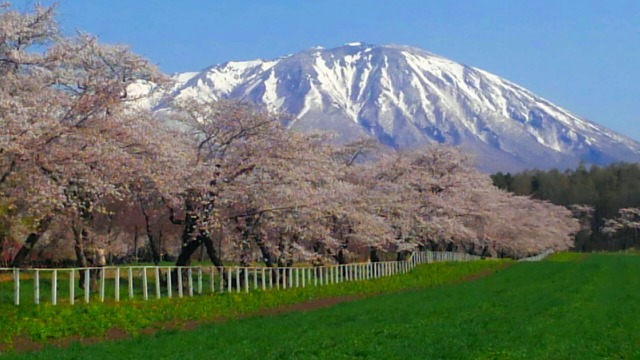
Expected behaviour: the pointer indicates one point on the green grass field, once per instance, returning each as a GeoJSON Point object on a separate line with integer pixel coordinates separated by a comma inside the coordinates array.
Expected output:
{"type": "Point", "coordinates": [572, 308]}
{"type": "Point", "coordinates": [46, 322]}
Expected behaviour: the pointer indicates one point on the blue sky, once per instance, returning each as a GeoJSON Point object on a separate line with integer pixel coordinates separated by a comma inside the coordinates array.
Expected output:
{"type": "Point", "coordinates": [583, 55]}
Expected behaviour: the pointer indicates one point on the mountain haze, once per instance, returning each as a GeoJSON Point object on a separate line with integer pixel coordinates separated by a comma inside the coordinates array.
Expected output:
{"type": "Point", "coordinates": [406, 97]}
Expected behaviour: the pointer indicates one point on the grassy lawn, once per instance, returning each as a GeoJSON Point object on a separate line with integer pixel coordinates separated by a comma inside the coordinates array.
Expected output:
{"type": "Point", "coordinates": [570, 309]}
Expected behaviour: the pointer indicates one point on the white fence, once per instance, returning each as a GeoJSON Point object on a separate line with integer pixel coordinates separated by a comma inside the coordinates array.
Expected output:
{"type": "Point", "coordinates": [538, 257]}
{"type": "Point", "coordinates": [56, 286]}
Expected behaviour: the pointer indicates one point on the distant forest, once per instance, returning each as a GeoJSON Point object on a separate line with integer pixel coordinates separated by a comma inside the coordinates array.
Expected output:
{"type": "Point", "coordinates": [606, 189]}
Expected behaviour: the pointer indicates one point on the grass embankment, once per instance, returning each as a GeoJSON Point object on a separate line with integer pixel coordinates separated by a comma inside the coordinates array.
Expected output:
{"type": "Point", "coordinates": [548, 310]}
{"type": "Point", "coordinates": [47, 322]}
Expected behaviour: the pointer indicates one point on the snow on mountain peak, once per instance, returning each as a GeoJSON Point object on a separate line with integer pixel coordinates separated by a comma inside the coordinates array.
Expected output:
{"type": "Point", "coordinates": [406, 97]}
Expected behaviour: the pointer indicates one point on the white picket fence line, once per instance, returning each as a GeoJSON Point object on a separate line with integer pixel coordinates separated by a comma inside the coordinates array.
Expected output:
{"type": "Point", "coordinates": [149, 282]}
{"type": "Point", "coordinates": [538, 257]}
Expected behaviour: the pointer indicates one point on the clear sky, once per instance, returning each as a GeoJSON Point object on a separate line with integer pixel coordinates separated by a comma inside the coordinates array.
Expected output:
{"type": "Point", "coordinates": [583, 55]}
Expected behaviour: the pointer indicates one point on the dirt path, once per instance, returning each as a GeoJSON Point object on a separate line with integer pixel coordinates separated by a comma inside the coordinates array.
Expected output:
{"type": "Point", "coordinates": [483, 273]}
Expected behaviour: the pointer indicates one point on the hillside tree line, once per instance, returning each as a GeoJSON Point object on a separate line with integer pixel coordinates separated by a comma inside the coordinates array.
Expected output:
{"type": "Point", "coordinates": [605, 199]}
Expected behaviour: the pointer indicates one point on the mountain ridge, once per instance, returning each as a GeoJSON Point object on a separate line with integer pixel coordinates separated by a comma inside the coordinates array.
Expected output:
{"type": "Point", "coordinates": [407, 97]}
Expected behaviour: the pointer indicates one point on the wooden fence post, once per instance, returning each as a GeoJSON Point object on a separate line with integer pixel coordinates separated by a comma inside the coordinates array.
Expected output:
{"type": "Point", "coordinates": [72, 286]}
{"type": "Point", "coordinates": [117, 284]}
{"type": "Point", "coordinates": [180, 290]}
{"type": "Point", "coordinates": [156, 271]}
{"type": "Point", "coordinates": [130, 284]}
{"type": "Point", "coordinates": [102, 285]}
{"type": "Point", "coordinates": [246, 280]}
{"type": "Point", "coordinates": [54, 287]}
{"type": "Point", "coordinates": [212, 281]}
{"type": "Point", "coordinates": [16, 287]}
{"type": "Point", "coordinates": [334, 274]}
{"type": "Point", "coordinates": [285, 278]}
{"type": "Point", "coordinates": [36, 287]}
{"type": "Point", "coordinates": [169, 283]}
{"type": "Point", "coordinates": [238, 284]}
{"type": "Point", "coordinates": [145, 290]}
{"type": "Point", "coordinates": [255, 278]}
{"type": "Point", "coordinates": [221, 279]}
{"type": "Point", "coordinates": [87, 287]}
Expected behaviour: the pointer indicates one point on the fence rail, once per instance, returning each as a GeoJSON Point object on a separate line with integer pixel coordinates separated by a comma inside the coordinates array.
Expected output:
{"type": "Point", "coordinates": [73, 285]}
{"type": "Point", "coordinates": [538, 257]}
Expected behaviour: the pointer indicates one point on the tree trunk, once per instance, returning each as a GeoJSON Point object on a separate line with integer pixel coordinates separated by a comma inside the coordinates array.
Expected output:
{"type": "Point", "coordinates": [213, 254]}
{"type": "Point", "coordinates": [246, 226]}
{"type": "Point", "coordinates": [160, 252]}
{"type": "Point", "coordinates": [82, 261]}
{"type": "Point", "coordinates": [190, 242]}
{"type": "Point", "coordinates": [2, 240]}
{"type": "Point", "coordinates": [341, 258]}
{"type": "Point", "coordinates": [264, 251]}
{"type": "Point", "coordinates": [24, 251]}
{"type": "Point", "coordinates": [155, 254]}
{"type": "Point", "coordinates": [184, 259]}
{"type": "Point", "coordinates": [190, 247]}
{"type": "Point", "coordinates": [135, 244]}
{"type": "Point", "coordinates": [30, 242]}
{"type": "Point", "coordinates": [403, 255]}
{"type": "Point", "coordinates": [450, 246]}
{"type": "Point", "coordinates": [373, 254]}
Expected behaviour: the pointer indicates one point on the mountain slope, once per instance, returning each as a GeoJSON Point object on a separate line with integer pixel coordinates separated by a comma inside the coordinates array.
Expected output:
{"type": "Point", "coordinates": [406, 97]}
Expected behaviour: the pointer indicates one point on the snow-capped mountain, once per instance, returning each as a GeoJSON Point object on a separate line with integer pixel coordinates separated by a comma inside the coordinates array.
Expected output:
{"type": "Point", "coordinates": [406, 97]}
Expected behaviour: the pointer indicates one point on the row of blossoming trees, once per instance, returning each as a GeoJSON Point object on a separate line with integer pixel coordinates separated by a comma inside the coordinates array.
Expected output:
{"type": "Point", "coordinates": [80, 165]}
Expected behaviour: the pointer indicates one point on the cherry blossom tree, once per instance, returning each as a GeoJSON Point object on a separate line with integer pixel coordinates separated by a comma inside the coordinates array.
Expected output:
{"type": "Point", "coordinates": [435, 198]}
{"type": "Point", "coordinates": [627, 221]}
{"type": "Point", "coordinates": [68, 140]}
